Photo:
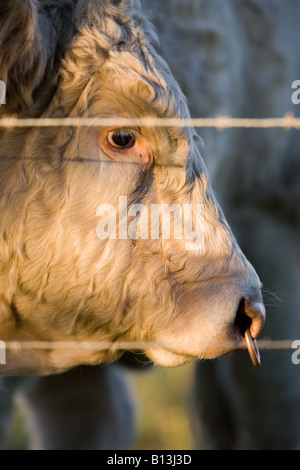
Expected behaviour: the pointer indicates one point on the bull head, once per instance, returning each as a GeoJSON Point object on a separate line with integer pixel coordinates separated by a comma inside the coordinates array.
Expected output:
{"type": "Point", "coordinates": [64, 275]}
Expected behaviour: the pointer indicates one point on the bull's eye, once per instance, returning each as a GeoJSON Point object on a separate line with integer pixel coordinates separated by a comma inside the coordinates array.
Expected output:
{"type": "Point", "coordinates": [122, 138]}
{"type": "Point", "coordinates": [125, 145]}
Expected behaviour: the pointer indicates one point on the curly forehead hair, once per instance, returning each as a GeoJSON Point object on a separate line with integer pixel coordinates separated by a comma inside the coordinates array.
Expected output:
{"type": "Point", "coordinates": [114, 39]}
{"type": "Point", "coordinates": [45, 31]}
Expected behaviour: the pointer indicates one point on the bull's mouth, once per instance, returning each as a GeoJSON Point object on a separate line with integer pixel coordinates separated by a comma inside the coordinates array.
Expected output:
{"type": "Point", "coordinates": [167, 356]}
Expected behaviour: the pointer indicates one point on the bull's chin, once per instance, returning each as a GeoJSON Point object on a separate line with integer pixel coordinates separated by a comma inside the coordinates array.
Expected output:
{"type": "Point", "coordinates": [167, 357]}
{"type": "Point", "coordinates": [163, 357]}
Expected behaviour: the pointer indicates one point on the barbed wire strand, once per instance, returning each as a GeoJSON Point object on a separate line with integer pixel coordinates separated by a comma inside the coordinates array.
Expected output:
{"type": "Point", "coordinates": [287, 122]}
{"type": "Point", "coordinates": [264, 344]}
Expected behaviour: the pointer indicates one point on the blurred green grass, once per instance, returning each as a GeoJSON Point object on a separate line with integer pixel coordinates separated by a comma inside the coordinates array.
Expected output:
{"type": "Point", "coordinates": [164, 408]}
{"type": "Point", "coordinates": [17, 438]}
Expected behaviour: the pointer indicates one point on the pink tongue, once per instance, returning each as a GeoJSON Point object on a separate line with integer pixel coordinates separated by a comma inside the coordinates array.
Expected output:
{"type": "Point", "coordinates": [252, 348]}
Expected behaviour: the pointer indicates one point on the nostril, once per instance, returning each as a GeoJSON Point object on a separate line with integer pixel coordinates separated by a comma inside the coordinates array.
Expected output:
{"type": "Point", "coordinates": [242, 321]}
{"type": "Point", "coordinates": [255, 310]}
{"type": "Point", "coordinates": [250, 315]}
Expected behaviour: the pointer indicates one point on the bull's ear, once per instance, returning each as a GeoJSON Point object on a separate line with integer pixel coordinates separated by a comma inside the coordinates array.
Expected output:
{"type": "Point", "coordinates": [20, 50]}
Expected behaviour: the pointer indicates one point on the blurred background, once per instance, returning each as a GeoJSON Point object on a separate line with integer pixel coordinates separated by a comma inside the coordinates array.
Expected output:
{"type": "Point", "coordinates": [164, 406]}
